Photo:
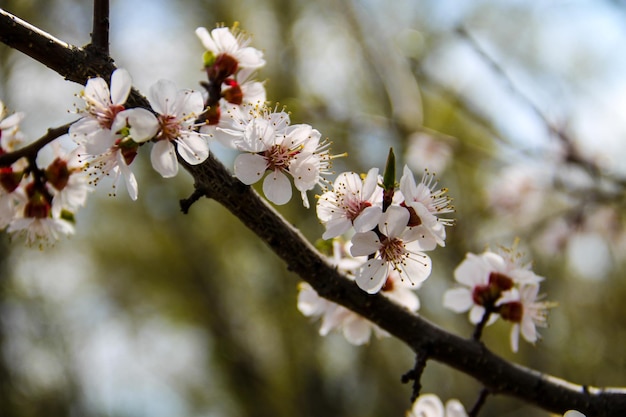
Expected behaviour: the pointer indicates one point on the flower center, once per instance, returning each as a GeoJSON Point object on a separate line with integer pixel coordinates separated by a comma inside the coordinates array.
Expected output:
{"type": "Point", "coordinates": [487, 295]}
{"type": "Point", "coordinates": [170, 127]}
{"type": "Point", "coordinates": [354, 207]}
{"type": "Point", "coordinates": [279, 157]}
{"type": "Point", "coordinates": [105, 118]}
{"type": "Point", "coordinates": [513, 311]}
{"type": "Point", "coordinates": [392, 250]}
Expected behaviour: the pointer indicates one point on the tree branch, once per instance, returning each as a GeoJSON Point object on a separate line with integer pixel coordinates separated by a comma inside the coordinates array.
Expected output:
{"type": "Point", "coordinates": [31, 150]}
{"type": "Point", "coordinates": [214, 181]}
{"type": "Point", "coordinates": [100, 32]}
{"type": "Point", "coordinates": [468, 356]}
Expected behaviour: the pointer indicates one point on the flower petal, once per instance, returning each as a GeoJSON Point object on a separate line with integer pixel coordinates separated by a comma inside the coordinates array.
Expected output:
{"type": "Point", "coordinates": [428, 405]}
{"type": "Point", "coordinates": [120, 86]}
{"type": "Point", "coordinates": [163, 158]}
{"type": "Point", "coordinates": [364, 244]}
{"type": "Point", "coordinates": [368, 218]}
{"type": "Point", "coordinates": [394, 221]}
{"type": "Point", "coordinates": [372, 276]}
{"type": "Point", "coordinates": [277, 188]}
{"type": "Point", "coordinates": [458, 300]}
{"type": "Point", "coordinates": [162, 96]}
{"type": "Point", "coordinates": [193, 148]}
{"type": "Point", "coordinates": [249, 168]}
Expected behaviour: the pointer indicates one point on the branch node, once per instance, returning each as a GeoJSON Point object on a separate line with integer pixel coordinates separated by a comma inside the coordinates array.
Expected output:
{"type": "Point", "coordinates": [415, 374]}
{"type": "Point", "coordinates": [482, 397]}
{"type": "Point", "coordinates": [186, 203]}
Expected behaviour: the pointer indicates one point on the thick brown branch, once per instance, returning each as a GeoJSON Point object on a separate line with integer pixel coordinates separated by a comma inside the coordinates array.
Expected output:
{"type": "Point", "coordinates": [214, 181]}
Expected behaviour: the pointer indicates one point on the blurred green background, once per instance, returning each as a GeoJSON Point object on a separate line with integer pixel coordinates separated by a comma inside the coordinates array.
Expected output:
{"type": "Point", "coordinates": [149, 312]}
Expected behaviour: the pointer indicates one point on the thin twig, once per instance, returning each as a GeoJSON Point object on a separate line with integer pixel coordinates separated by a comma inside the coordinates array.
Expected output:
{"type": "Point", "coordinates": [415, 374]}
{"type": "Point", "coordinates": [100, 31]}
{"type": "Point", "coordinates": [482, 397]}
{"type": "Point", "coordinates": [32, 149]}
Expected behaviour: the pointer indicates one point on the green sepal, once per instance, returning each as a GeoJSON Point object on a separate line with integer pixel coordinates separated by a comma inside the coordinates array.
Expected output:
{"type": "Point", "coordinates": [68, 216]}
{"type": "Point", "coordinates": [389, 177]}
{"type": "Point", "coordinates": [208, 58]}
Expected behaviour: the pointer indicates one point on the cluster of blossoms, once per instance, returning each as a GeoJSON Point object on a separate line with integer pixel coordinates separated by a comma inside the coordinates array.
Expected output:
{"type": "Point", "coordinates": [35, 201]}
{"type": "Point", "coordinates": [499, 284]}
{"type": "Point", "coordinates": [392, 228]}
{"type": "Point", "coordinates": [356, 329]}
{"type": "Point", "coordinates": [111, 134]}
{"type": "Point", "coordinates": [230, 65]}
{"type": "Point", "coordinates": [269, 144]}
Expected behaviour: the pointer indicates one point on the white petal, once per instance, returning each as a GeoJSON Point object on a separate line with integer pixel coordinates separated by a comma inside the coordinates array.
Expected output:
{"type": "Point", "coordinates": [364, 244]}
{"type": "Point", "coordinates": [428, 405]}
{"type": "Point", "coordinates": [224, 40]}
{"type": "Point", "coordinates": [193, 148]}
{"type": "Point", "coordinates": [120, 86]}
{"type": "Point", "coordinates": [309, 302]}
{"type": "Point", "coordinates": [336, 227]}
{"type": "Point", "coordinates": [407, 184]}
{"type": "Point", "coordinates": [515, 337]}
{"type": "Point", "coordinates": [417, 268]}
{"type": "Point", "coordinates": [372, 276]}
{"type": "Point", "coordinates": [162, 96]}
{"type": "Point", "coordinates": [249, 57]}
{"type": "Point", "coordinates": [277, 188]}
{"type": "Point", "coordinates": [368, 218]}
{"type": "Point", "coordinates": [206, 39]}
{"type": "Point", "coordinates": [529, 331]}
{"type": "Point", "coordinates": [573, 413]}
{"type": "Point", "coordinates": [370, 183]}
{"type": "Point", "coordinates": [458, 300]}
{"type": "Point", "coordinates": [97, 92]}
{"type": "Point", "coordinates": [454, 408]}
{"type": "Point", "coordinates": [394, 221]}
{"type": "Point", "coordinates": [357, 331]}
{"type": "Point", "coordinates": [143, 125]}
{"type": "Point", "coordinates": [163, 158]}
{"type": "Point", "coordinates": [249, 168]}
{"type": "Point", "coordinates": [129, 177]}
{"type": "Point", "coordinates": [472, 271]}
{"type": "Point", "coordinates": [100, 142]}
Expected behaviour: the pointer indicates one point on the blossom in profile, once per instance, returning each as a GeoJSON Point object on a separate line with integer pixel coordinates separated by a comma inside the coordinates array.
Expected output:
{"type": "Point", "coordinates": [10, 136]}
{"type": "Point", "coordinates": [429, 405]}
{"type": "Point", "coordinates": [522, 307]}
{"type": "Point", "coordinates": [394, 247]}
{"type": "Point", "coordinates": [228, 50]}
{"type": "Point", "coordinates": [353, 202]}
{"type": "Point", "coordinates": [499, 285]}
{"type": "Point", "coordinates": [176, 112]}
{"type": "Point", "coordinates": [67, 181]}
{"type": "Point", "coordinates": [426, 203]}
{"type": "Point", "coordinates": [483, 280]}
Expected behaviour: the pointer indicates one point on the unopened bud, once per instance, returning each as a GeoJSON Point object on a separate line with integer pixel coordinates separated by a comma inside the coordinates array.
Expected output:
{"type": "Point", "coordinates": [58, 174]}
